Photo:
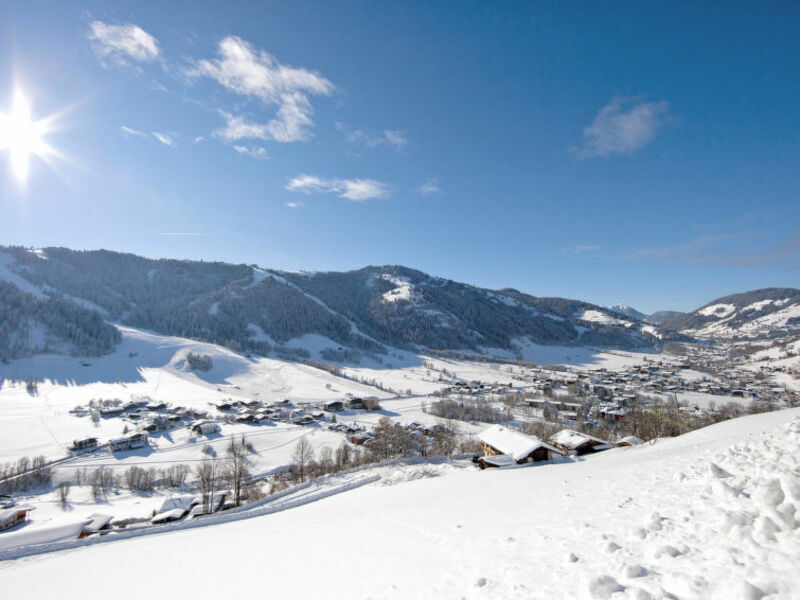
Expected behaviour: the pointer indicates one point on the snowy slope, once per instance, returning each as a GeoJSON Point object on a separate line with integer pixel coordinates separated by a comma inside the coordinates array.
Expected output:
{"type": "Point", "coordinates": [757, 314]}
{"type": "Point", "coordinates": [711, 514]}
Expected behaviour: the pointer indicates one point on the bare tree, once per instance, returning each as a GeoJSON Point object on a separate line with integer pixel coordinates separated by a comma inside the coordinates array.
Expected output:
{"type": "Point", "coordinates": [207, 476]}
{"type": "Point", "coordinates": [237, 467]}
{"type": "Point", "coordinates": [303, 455]}
{"type": "Point", "coordinates": [63, 492]}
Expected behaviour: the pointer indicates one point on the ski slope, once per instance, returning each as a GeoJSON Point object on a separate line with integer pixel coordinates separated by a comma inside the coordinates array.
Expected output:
{"type": "Point", "coordinates": [711, 514]}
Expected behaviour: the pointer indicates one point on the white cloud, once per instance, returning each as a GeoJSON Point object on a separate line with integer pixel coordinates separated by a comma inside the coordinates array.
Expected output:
{"type": "Point", "coordinates": [357, 190]}
{"type": "Point", "coordinates": [294, 204]}
{"type": "Point", "coordinates": [245, 70]}
{"type": "Point", "coordinates": [429, 188]}
{"type": "Point", "coordinates": [135, 132]}
{"type": "Point", "coordinates": [236, 128]}
{"type": "Point", "coordinates": [164, 138]}
{"type": "Point", "coordinates": [252, 151]}
{"type": "Point", "coordinates": [122, 43]}
{"type": "Point", "coordinates": [623, 126]}
{"type": "Point", "coordinates": [388, 137]}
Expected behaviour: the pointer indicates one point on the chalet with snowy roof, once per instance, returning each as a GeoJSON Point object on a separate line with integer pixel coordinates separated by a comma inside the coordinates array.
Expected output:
{"type": "Point", "coordinates": [206, 428]}
{"type": "Point", "coordinates": [132, 442]}
{"type": "Point", "coordinates": [578, 443]}
{"type": "Point", "coordinates": [11, 517]}
{"type": "Point", "coordinates": [334, 405]}
{"type": "Point", "coordinates": [499, 440]}
{"type": "Point", "coordinates": [96, 524]}
{"type": "Point", "coordinates": [84, 445]}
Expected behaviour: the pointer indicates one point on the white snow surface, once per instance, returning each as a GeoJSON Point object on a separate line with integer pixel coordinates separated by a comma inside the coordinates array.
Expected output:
{"type": "Point", "coordinates": [718, 310]}
{"type": "Point", "coordinates": [711, 514]}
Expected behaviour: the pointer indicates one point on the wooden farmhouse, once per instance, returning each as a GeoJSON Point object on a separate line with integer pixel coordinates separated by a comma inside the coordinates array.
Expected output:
{"type": "Point", "coordinates": [515, 447]}
{"type": "Point", "coordinates": [578, 443]}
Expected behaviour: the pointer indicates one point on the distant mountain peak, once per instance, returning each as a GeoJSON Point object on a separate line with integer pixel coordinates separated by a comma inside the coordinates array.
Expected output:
{"type": "Point", "coordinates": [627, 311]}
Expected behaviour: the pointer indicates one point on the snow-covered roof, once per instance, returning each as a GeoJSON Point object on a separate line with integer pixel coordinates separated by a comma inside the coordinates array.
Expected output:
{"type": "Point", "coordinates": [571, 439]}
{"type": "Point", "coordinates": [630, 440]}
{"type": "Point", "coordinates": [7, 513]}
{"type": "Point", "coordinates": [97, 522]}
{"type": "Point", "coordinates": [169, 515]}
{"type": "Point", "coordinates": [173, 502]}
{"type": "Point", "coordinates": [512, 442]}
{"type": "Point", "coordinates": [499, 460]}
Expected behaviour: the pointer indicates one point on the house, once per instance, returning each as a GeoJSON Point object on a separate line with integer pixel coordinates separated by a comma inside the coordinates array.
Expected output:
{"type": "Point", "coordinates": [500, 440]}
{"type": "Point", "coordinates": [111, 411]}
{"type": "Point", "coordinates": [360, 438]}
{"type": "Point", "coordinates": [84, 445]}
{"type": "Point", "coordinates": [132, 442]}
{"type": "Point", "coordinates": [11, 517]}
{"type": "Point", "coordinates": [579, 443]}
{"type": "Point", "coordinates": [356, 403]}
{"type": "Point", "coordinates": [97, 523]}
{"type": "Point", "coordinates": [206, 428]}
{"type": "Point", "coordinates": [333, 405]}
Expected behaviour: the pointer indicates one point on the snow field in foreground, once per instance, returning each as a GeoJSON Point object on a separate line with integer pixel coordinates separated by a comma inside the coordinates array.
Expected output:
{"type": "Point", "coordinates": [710, 514]}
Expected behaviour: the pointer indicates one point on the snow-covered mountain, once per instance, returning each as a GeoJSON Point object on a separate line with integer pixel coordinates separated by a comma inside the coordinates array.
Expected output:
{"type": "Point", "coordinates": [628, 311]}
{"type": "Point", "coordinates": [259, 310]}
{"type": "Point", "coordinates": [763, 313]}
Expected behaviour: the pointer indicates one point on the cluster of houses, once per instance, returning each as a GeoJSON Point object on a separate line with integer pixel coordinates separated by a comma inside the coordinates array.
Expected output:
{"type": "Point", "coordinates": [171, 509]}
{"type": "Point", "coordinates": [504, 446]}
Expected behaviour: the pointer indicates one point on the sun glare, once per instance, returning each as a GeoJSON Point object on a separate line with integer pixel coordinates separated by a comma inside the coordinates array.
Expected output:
{"type": "Point", "coordinates": [23, 137]}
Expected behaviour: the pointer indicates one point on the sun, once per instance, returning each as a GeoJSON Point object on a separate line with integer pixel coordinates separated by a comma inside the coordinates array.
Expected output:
{"type": "Point", "coordinates": [23, 137]}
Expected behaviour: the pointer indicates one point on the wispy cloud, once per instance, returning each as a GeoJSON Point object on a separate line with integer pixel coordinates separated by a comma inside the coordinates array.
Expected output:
{"type": "Point", "coordinates": [357, 190]}
{"type": "Point", "coordinates": [121, 44]}
{"type": "Point", "coordinates": [685, 251]}
{"type": "Point", "coordinates": [391, 138]}
{"type": "Point", "coordinates": [429, 187]}
{"type": "Point", "coordinates": [252, 151]}
{"type": "Point", "coordinates": [294, 204]}
{"type": "Point", "coordinates": [727, 250]}
{"type": "Point", "coordinates": [623, 126]}
{"type": "Point", "coordinates": [245, 70]}
{"type": "Point", "coordinates": [582, 248]}
{"type": "Point", "coordinates": [134, 132]}
{"type": "Point", "coordinates": [165, 139]}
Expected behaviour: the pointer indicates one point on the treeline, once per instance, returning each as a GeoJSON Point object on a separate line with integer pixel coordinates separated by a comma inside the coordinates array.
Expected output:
{"type": "Point", "coordinates": [469, 410]}
{"type": "Point", "coordinates": [29, 324]}
{"type": "Point", "coordinates": [24, 474]}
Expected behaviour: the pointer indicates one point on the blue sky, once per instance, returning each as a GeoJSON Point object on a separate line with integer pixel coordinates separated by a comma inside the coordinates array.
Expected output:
{"type": "Point", "coordinates": [641, 153]}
